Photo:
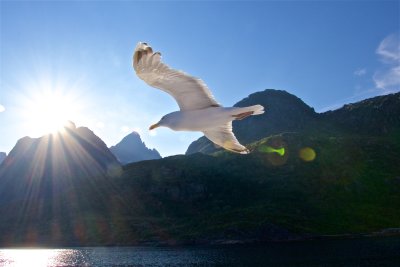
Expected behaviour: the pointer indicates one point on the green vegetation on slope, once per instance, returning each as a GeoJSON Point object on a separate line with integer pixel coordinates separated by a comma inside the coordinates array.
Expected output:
{"type": "Point", "coordinates": [352, 186]}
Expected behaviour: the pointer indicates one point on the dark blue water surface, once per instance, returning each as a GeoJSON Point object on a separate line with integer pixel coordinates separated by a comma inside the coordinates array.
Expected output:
{"type": "Point", "coordinates": [351, 252]}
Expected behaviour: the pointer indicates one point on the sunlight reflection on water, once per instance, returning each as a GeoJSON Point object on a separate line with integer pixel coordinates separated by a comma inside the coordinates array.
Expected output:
{"type": "Point", "coordinates": [41, 257]}
{"type": "Point", "coordinates": [125, 256]}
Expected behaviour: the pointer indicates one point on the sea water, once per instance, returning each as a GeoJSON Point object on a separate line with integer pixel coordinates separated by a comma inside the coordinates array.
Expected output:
{"type": "Point", "coordinates": [350, 252]}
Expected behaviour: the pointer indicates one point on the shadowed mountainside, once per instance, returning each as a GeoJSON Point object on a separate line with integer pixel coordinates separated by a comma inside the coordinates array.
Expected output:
{"type": "Point", "coordinates": [327, 180]}
{"type": "Point", "coordinates": [375, 116]}
{"type": "Point", "coordinates": [48, 162]}
{"type": "Point", "coordinates": [132, 149]}
{"type": "Point", "coordinates": [2, 156]}
{"type": "Point", "coordinates": [351, 187]}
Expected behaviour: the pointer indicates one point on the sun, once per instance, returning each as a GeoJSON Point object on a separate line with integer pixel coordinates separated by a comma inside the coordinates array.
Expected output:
{"type": "Point", "coordinates": [48, 110]}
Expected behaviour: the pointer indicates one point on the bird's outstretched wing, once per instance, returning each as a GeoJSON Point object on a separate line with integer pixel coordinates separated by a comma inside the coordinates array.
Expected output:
{"type": "Point", "coordinates": [224, 137]}
{"type": "Point", "coordinates": [190, 92]}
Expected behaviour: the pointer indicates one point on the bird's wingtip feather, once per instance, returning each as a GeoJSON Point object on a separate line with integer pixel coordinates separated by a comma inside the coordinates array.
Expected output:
{"type": "Point", "coordinates": [141, 46]}
{"type": "Point", "coordinates": [244, 152]}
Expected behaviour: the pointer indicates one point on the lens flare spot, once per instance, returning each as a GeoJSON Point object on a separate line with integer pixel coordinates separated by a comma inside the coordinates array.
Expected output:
{"type": "Point", "coordinates": [275, 150]}
{"type": "Point", "coordinates": [307, 154]}
{"type": "Point", "coordinates": [268, 149]}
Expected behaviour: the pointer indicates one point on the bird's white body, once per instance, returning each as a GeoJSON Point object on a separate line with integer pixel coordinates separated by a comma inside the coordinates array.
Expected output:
{"type": "Point", "coordinates": [202, 119]}
{"type": "Point", "coordinates": [199, 111]}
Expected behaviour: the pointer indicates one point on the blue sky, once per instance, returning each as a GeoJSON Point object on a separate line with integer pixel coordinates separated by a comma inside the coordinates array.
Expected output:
{"type": "Point", "coordinates": [328, 53]}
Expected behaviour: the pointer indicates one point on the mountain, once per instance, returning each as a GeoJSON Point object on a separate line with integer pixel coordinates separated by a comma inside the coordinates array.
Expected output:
{"type": "Point", "coordinates": [288, 113]}
{"type": "Point", "coordinates": [51, 161]}
{"type": "Point", "coordinates": [284, 112]}
{"type": "Point", "coordinates": [2, 156]}
{"type": "Point", "coordinates": [326, 179]}
{"type": "Point", "coordinates": [350, 185]}
{"type": "Point", "coordinates": [132, 149]}
{"type": "Point", "coordinates": [48, 182]}
{"type": "Point", "coordinates": [374, 116]}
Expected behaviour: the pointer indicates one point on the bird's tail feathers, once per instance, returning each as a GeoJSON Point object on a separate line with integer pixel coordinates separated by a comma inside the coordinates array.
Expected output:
{"type": "Point", "coordinates": [256, 109]}
{"type": "Point", "coordinates": [242, 113]}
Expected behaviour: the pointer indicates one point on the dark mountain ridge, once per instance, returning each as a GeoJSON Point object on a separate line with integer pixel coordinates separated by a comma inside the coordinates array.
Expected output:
{"type": "Point", "coordinates": [285, 112]}
{"type": "Point", "coordinates": [374, 116]}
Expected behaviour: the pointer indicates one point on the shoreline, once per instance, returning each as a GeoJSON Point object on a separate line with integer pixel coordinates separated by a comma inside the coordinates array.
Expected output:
{"type": "Point", "coordinates": [385, 233]}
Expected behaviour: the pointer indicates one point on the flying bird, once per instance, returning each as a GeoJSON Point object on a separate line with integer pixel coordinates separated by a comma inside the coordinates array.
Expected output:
{"type": "Point", "coordinates": [199, 111]}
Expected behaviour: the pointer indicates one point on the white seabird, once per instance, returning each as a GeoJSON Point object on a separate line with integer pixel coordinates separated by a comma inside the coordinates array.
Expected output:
{"type": "Point", "coordinates": [199, 111]}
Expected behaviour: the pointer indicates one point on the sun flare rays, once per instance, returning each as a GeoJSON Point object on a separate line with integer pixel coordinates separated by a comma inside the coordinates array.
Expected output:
{"type": "Point", "coordinates": [49, 110]}
{"type": "Point", "coordinates": [45, 105]}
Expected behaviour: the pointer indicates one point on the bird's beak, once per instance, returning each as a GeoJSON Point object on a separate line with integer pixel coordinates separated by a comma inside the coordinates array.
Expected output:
{"type": "Point", "coordinates": [154, 126]}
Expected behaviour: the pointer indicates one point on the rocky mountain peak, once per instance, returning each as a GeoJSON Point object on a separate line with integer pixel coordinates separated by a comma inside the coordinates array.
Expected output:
{"type": "Point", "coordinates": [74, 152]}
{"type": "Point", "coordinates": [132, 149]}
{"type": "Point", "coordinates": [283, 112]}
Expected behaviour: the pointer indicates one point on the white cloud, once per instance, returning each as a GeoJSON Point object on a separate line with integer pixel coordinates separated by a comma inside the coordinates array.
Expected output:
{"type": "Point", "coordinates": [388, 77]}
{"type": "Point", "coordinates": [360, 72]}
{"type": "Point", "coordinates": [389, 48]}
{"type": "Point", "coordinates": [125, 129]}
{"type": "Point", "coordinates": [2, 108]}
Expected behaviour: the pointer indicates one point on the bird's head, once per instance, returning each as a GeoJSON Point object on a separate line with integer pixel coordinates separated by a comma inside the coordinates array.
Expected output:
{"type": "Point", "coordinates": [165, 122]}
